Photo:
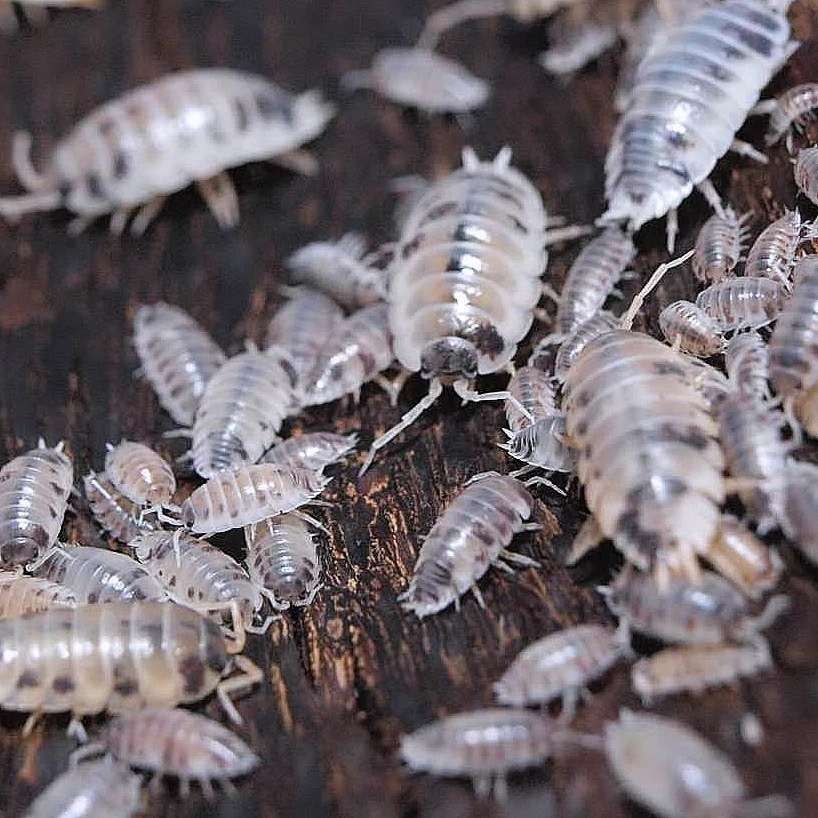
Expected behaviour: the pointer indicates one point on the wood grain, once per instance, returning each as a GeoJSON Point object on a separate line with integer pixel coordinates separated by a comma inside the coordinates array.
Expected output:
{"type": "Point", "coordinates": [345, 678]}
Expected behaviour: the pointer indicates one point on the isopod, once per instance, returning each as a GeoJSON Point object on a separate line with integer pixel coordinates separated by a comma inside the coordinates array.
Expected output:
{"type": "Point", "coordinates": [484, 745]}
{"type": "Point", "coordinates": [571, 348]}
{"type": "Point", "coordinates": [560, 664]}
{"type": "Point", "coordinates": [800, 521]}
{"type": "Point", "coordinates": [719, 245]}
{"type": "Point", "coordinates": [747, 360]}
{"type": "Point", "coordinates": [793, 108]}
{"type": "Point", "coordinates": [188, 126]}
{"type": "Point", "coordinates": [140, 474]}
{"type": "Point", "coordinates": [468, 538]}
{"type": "Point", "coordinates": [90, 790]}
{"type": "Point", "coordinates": [313, 450]}
{"type": "Point", "coordinates": [574, 49]}
{"type": "Point", "coordinates": [178, 743]}
{"type": "Point", "coordinates": [194, 573]}
{"type": "Point", "coordinates": [691, 93]}
{"type": "Point", "coordinates": [694, 668]}
{"type": "Point", "coordinates": [422, 79]}
{"type": "Point", "coordinates": [773, 252]}
{"type": "Point", "coordinates": [97, 575]}
{"type": "Point", "coordinates": [359, 351]}
{"type": "Point", "coordinates": [341, 269]}
{"type": "Point", "coordinates": [302, 326]}
{"type": "Point", "coordinates": [742, 303]}
{"type": "Point", "coordinates": [805, 171]}
{"type": "Point", "coordinates": [648, 455]}
{"type": "Point", "coordinates": [592, 278]}
{"type": "Point", "coordinates": [707, 612]}
{"type": "Point", "coordinates": [282, 558]}
{"type": "Point", "coordinates": [793, 361]}
{"type": "Point", "coordinates": [675, 773]}
{"type": "Point", "coordinates": [117, 515]}
{"type": "Point", "coordinates": [689, 329]}
{"type": "Point", "coordinates": [34, 489]}
{"type": "Point", "coordinates": [178, 358]}
{"type": "Point", "coordinates": [117, 657]}
{"type": "Point", "coordinates": [21, 595]}
{"type": "Point", "coordinates": [242, 409]}
{"type": "Point", "coordinates": [465, 279]}
{"type": "Point", "coordinates": [249, 495]}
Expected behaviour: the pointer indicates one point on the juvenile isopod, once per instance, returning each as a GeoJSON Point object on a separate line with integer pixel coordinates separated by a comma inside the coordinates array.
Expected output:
{"type": "Point", "coordinates": [117, 657]}
{"type": "Point", "coordinates": [178, 358]}
{"type": "Point", "coordinates": [249, 495]}
{"type": "Point", "coordinates": [572, 346]}
{"type": "Point", "coordinates": [90, 790]}
{"type": "Point", "coordinates": [484, 745]}
{"type": "Point", "coordinates": [188, 126]}
{"type": "Point", "coordinates": [719, 245]}
{"type": "Point", "coordinates": [773, 252]}
{"type": "Point", "coordinates": [689, 329]}
{"type": "Point", "coordinates": [561, 664]}
{"type": "Point", "coordinates": [21, 595]}
{"type": "Point", "coordinates": [241, 411]}
{"type": "Point", "coordinates": [116, 514]}
{"type": "Point", "coordinates": [792, 109]}
{"type": "Point", "coordinates": [359, 351]}
{"type": "Point", "coordinates": [175, 742]}
{"type": "Point", "coordinates": [747, 360]}
{"type": "Point", "coordinates": [742, 303]}
{"type": "Point", "coordinates": [694, 668]}
{"type": "Point", "coordinates": [675, 773]}
{"type": "Point", "coordinates": [140, 474]}
{"type": "Point", "coordinates": [312, 450]}
{"type": "Point", "coordinates": [469, 537]}
{"type": "Point", "coordinates": [341, 269]}
{"type": "Point", "coordinates": [282, 558]}
{"type": "Point", "coordinates": [97, 575]}
{"type": "Point", "coordinates": [420, 78]}
{"type": "Point", "coordinates": [593, 277]}
{"type": "Point", "coordinates": [34, 489]}
{"type": "Point", "coordinates": [707, 612]}
{"type": "Point", "coordinates": [805, 171]}
{"type": "Point", "coordinates": [302, 326]}
{"type": "Point", "coordinates": [691, 94]}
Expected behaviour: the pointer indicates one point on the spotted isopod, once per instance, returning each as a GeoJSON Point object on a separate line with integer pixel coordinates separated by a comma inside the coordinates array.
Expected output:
{"type": "Point", "coordinates": [282, 558]}
{"type": "Point", "coordinates": [313, 450]}
{"type": "Point", "coordinates": [773, 252]}
{"type": "Point", "coordinates": [805, 171]}
{"type": "Point", "coordinates": [116, 514]}
{"type": "Point", "coordinates": [484, 745]}
{"type": "Point", "coordinates": [675, 773]}
{"type": "Point", "coordinates": [743, 303]}
{"type": "Point", "coordinates": [178, 358]}
{"type": "Point", "coordinates": [689, 329]}
{"type": "Point", "coordinates": [302, 326]}
{"type": "Point", "coordinates": [341, 269]}
{"type": "Point", "coordinates": [97, 575]}
{"type": "Point", "coordinates": [469, 537]}
{"type": "Point", "coordinates": [188, 126]}
{"type": "Point", "coordinates": [561, 664]}
{"type": "Point", "coordinates": [792, 109]}
{"type": "Point", "coordinates": [694, 668]}
{"type": "Point", "coordinates": [34, 490]}
{"type": "Point", "coordinates": [720, 244]}
{"type": "Point", "coordinates": [140, 474]}
{"type": "Point", "coordinates": [243, 407]}
{"type": "Point", "coordinates": [249, 495]}
{"type": "Point", "coordinates": [691, 94]}
{"type": "Point", "coordinates": [90, 790]}
{"type": "Point", "coordinates": [747, 360]}
{"type": "Point", "coordinates": [21, 595]}
{"type": "Point", "coordinates": [422, 79]}
{"type": "Point", "coordinates": [359, 351]}
{"type": "Point", "coordinates": [117, 657]}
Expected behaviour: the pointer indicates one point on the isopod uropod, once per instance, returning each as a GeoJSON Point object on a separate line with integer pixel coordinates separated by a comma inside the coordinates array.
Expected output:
{"type": "Point", "coordinates": [189, 126]}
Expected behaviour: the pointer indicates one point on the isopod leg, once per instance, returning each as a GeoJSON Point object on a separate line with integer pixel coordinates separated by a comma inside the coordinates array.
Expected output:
{"type": "Point", "coordinates": [31, 723]}
{"type": "Point", "coordinates": [301, 162]}
{"type": "Point", "coordinates": [76, 730]}
{"type": "Point", "coordinates": [672, 229]}
{"type": "Point", "coordinates": [87, 751]}
{"type": "Point", "coordinates": [455, 13]}
{"type": "Point", "coordinates": [746, 149]}
{"type": "Point", "coordinates": [146, 214]}
{"type": "Point", "coordinates": [560, 234]}
{"type": "Point", "coordinates": [710, 193]}
{"type": "Point", "coordinates": [569, 705]}
{"type": "Point", "coordinates": [119, 221]}
{"type": "Point", "coordinates": [464, 391]}
{"type": "Point", "coordinates": [250, 676]}
{"type": "Point", "coordinates": [519, 559]}
{"type": "Point", "coordinates": [13, 207]}
{"type": "Point", "coordinates": [764, 107]}
{"type": "Point", "coordinates": [26, 173]}
{"type": "Point", "coordinates": [221, 199]}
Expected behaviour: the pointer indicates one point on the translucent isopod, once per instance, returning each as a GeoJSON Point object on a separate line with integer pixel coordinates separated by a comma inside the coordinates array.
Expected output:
{"type": "Point", "coordinates": [719, 245]}
{"type": "Point", "coordinates": [21, 595]}
{"type": "Point", "coordinates": [747, 360]}
{"type": "Point", "coordinates": [689, 329]}
{"type": "Point", "coordinates": [773, 252]}
{"type": "Point", "coordinates": [140, 474]}
{"type": "Point", "coordinates": [792, 109]}
{"type": "Point", "coordinates": [743, 303]}
{"type": "Point", "coordinates": [806, 173]}
{"type": "Point", "coordinates": [117, 515]}
{"type": "Point", "coordinates": [312, 450]}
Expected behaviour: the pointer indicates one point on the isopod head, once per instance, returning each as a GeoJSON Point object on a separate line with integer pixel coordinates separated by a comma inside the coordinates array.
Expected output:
{"type": "Point", "coordinates": [449, 358]}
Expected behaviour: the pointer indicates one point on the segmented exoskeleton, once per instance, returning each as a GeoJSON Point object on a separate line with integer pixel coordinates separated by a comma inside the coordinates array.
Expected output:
{"type": "Point", "coordinates": [21, 595]}
{"type": "Point", "coordinates": [805, 171]}
{"type": "Point", "coordinates": [312, 450]}
{"type": "Point", "coordinates": [720, 244]}
{"type": "Point", "coordinates": [791, 110]}
{"type": "Point", "coordinates": [189, 126]}
{"type": "Point", "coordinates": [773, 252]}
{"type": "Point", "coordinates": [747, 359]}
{"type": "Point", "coordinates": [140, 474]}
{"type": "Point", "coordinates": [571, 348]}
{"type": "Point", "coordinates": [117, 515]}
{"type": "Point", "coordinates": [690, 329]}
{"type": "Point", "coordinates": [742, 303]}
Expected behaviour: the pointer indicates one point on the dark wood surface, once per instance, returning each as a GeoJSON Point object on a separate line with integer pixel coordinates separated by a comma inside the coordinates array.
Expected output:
{"type": "Point", "coordinates": [347, 676]}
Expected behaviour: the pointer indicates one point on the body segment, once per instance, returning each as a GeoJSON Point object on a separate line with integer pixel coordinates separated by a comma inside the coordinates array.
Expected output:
{"type": "Point", "coordinates": [743, 303]}
{"type": "Point", "coordinates": [140, 474]}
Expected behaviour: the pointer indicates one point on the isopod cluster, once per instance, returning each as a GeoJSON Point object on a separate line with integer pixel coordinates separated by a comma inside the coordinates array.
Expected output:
{"type": "Point", "coordinates": [680, 436]}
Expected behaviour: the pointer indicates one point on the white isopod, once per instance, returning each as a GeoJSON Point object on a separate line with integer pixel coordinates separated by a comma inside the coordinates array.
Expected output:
{"type": "Point", "coordinates": [805, 171]}
{"type": "Point", "coordinates": [189, 126]}
{"type": "Point", "coordinates": [140, 474]}
{"type": "Point", "coordinates": [117, 515]}
{"type": "Point", "coordinates": [575, 48]}
{"type": "Point", "coordinates": [341, 269]}
{"type": "Point", "coordinates": [178, 358]}
{"type": "Point", "coordinates": [773, 252]}
{"type": "Point", "coordinates": [571, 348]}
{"type": "Point", "coordinates": [313, 450]}
{"type": "Point", "coordinates": [691, 94]}
{"type": "Point", "coordinates": [742, 303]}
{"type": "Point", "coordinates": [690, 329]}
{"type": "Point", "coordinates": [242, 409]}
{"type": "Point", "coordinates": [719, 245]}
{"type": "Point", "coordinates": [420, 78]}
{"type": "Point", "coordinates": [747, 360]}
{"type": "Point", "coordinates": [792, 109]}
{"type": "Point", "coordinates": [21, 595]}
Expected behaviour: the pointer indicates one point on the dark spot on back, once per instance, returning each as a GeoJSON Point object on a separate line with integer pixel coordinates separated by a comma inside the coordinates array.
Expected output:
{"type": "Point", "coordinates": [63, 684]}
{"type": "Point", "coordinates": [274, 106]}
{"type": "Point", "coordinates": [126, 687]}
{"type": "Point", "coordinates": [487, 339]}
{"type": "Point", "coordinates": [193, 674]}
{"type": "Point", "coordinates": [94, 185]}
{"type": "Point", "coordinates": [28, 679]}
{"type": "Point", "coordinates": [120, 168]}
{"type": "Point", "coordinates": [242, 117]}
